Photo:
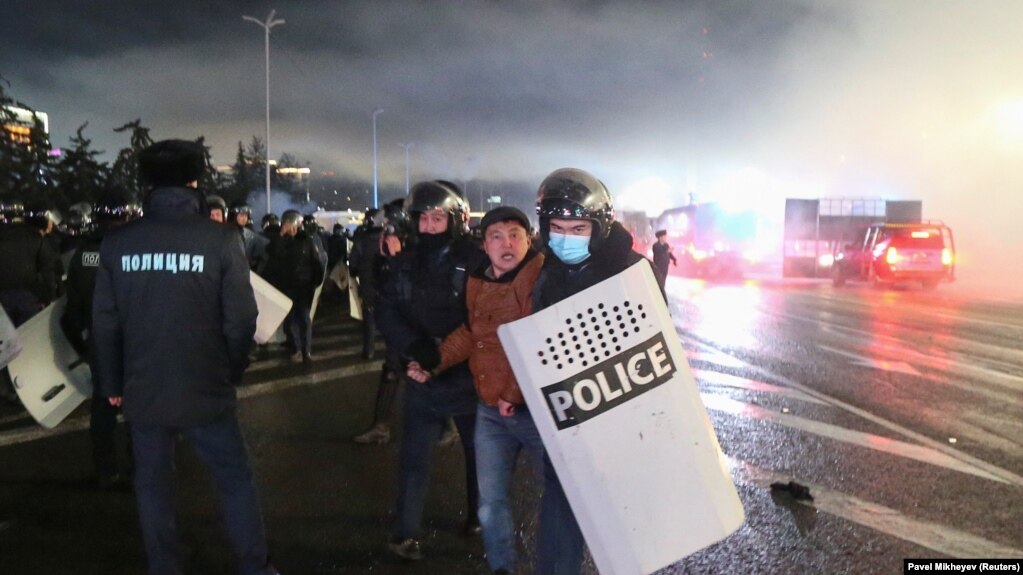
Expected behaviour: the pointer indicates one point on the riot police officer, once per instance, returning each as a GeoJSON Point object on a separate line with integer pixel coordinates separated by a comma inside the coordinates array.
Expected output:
{"type": "Point", "coordinates": [421, 300]}
{"type": "Point", "coordinates": [255, 244]}
{"type": "Point", "coordinates": [115, 208]}
{"type": "Point", "coordinates": [218, 208]}
{"type": "Point", "coordinates": [585, 245]}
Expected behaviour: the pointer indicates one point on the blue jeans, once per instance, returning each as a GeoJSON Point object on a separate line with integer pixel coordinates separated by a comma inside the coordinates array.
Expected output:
{"type": "Point", "coordinates": [222, 449]}
{"type": "Point", "coordinates": [499, 440]}
{"type": "Point", "coordinates": [560, 542]}
{"type": "Point", "coordinates": [424, 420]}
{"type": "Point", "coordinates": [300, 326]}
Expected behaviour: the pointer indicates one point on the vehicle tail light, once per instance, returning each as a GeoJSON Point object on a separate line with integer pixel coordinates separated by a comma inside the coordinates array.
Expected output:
{"type": "Point", "coordinates": [892, 256]}
{"type": "Point", "coordinates": [946, 257]}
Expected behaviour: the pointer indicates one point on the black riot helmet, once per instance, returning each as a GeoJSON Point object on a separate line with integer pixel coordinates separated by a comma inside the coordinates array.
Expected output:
{"type": "Point", "coordinates": [573, 194]}
{"type": "Point", "coordinates": [270, 220]}
{"type": "Point", "coordinates": [217, 203]}
{"type": "Point", "coordinates": [396, 220]}
{"type": "Point", "coordinates": [115, 207]}
{"type": "Point", "coordinates": [438, 195]}
{"type": "Point", "coordinates": [373, 219]}
{"type": "Point", "coordinates": [239, 207]}
{"type": "Point", "coordinates": [42, 217]}
{"type": "Point", "coordinates": [79, 220]}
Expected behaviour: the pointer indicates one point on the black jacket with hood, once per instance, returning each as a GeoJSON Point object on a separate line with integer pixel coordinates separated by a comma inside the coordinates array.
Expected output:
{"type": "Point", "coordinates": [559, 280]}
{"type": "Point", "coordinates": [173, 313]}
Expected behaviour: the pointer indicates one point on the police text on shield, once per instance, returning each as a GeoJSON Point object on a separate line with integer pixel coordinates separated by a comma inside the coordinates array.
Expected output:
{"type": "Point", "coordinates": [610, 383]}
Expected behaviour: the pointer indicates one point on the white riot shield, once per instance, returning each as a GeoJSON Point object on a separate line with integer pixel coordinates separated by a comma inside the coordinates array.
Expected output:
{"type": "Point", "coordinates": [316, 302]}
{"type": "Point", "coordinates": [49, 376]}
{"type": "Point", "coordinates": [10, 345]}
{"type": "Point", "coordinates": [354, 301]}
{"type": "Point", "coordinates": [273, 307]}
{"type": "Point", "coordinates": [608, 385]}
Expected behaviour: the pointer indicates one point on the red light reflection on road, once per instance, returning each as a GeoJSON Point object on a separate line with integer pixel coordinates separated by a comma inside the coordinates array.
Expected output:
{"type": "Point", "coordinates": [728, 315]}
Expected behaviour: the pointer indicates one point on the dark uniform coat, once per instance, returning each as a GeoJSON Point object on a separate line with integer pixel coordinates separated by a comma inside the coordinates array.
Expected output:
{"type": "Point", "coordinates": [173, 313]}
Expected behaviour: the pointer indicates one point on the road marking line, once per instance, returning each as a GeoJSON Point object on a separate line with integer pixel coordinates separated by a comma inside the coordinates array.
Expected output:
{"type": "Point", "coordinates": [897, 348]}
{"type": "Point", "coordinates": [729, 380]}
{"type": "Point", "coordinates": [715, 357]}
{"type": "Point", "coordinates": [82, 422]}
{"type": "Point", "coordinates": [884, 365]}
{"type": "Point", "coordinates": [920, 310]}
{"type": "Point", "coordinates": [936, 537]}
{"type": "Point", "coordinates": [768, 375]}
{"type": "Point", "coordinates": [869, 440]}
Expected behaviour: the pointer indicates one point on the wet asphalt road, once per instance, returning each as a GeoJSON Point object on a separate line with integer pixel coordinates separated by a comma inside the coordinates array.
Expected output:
{"type": "Point", "coordinates": [901, 411]}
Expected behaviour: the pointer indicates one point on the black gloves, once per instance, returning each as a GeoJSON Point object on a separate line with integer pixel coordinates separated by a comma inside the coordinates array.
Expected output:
{"type": "Point", "coordinates": [424, 352]}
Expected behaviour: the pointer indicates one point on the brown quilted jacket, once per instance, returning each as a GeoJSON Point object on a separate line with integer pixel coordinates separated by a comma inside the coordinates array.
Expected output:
{"type": "Point", "coordinates": [491, 303]}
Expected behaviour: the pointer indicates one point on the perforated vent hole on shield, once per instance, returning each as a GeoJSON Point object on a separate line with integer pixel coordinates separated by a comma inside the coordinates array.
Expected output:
{"type": "Point", "coordinates": [591, 336]}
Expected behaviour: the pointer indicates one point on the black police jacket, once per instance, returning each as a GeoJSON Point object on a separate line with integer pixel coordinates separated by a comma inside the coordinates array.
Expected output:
{"type": "Point", "coordinates": [421, 298]}
{"type": "Point", "coordinates": [79, 287]}
{"type": "Point", "coordinates": [293, 266]}
{"type": "Point", "coordinates": [173, 313]}
{"type": "Point", "coordinates": [364, 262]}
{"type": "Point", "coordinates": [29, 262]}
{"type": "Point", "coordinates": [559, 280]}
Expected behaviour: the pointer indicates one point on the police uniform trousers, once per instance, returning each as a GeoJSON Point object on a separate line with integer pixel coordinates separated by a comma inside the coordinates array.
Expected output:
{"type": "Point", "coordinates": [221, 448]}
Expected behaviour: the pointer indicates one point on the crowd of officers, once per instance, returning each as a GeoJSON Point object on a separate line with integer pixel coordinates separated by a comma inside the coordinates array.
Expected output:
{"type": "Point", "coordinates": [169, 346]}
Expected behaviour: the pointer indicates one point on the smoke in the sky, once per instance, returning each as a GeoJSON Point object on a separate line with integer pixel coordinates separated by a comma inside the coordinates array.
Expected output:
{"type": "Point", "coordinates": [714, 100]}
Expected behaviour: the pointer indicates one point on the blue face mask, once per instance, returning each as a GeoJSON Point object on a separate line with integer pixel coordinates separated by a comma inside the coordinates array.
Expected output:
{"type": "Point", "coordinates": [570, 249]}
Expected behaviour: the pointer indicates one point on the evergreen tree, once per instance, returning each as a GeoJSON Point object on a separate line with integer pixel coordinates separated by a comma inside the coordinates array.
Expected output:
{"type": "Point", "coordinates": [212, 181]}
{"type": "Point", "coordinates": [124, 174]}
{"type": "Point", "coordinates": [78, 176]}
{"type": "Point", "coordinates": [242, 183]}
{"type": "Point", "coordinates": [257, 156]}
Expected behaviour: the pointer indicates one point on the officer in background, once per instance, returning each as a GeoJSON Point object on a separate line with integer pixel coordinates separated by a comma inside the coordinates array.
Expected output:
{"type": "Point", "coordinates": [293, 266]}
{"type": "Point", "coordinates": [363, 264]}
{"type": "Point", "coordinates": [30, 268]}
{"type": "Point", "coordinates": [337, 246]}
{"type": "Point", "coordinates": [29, 263]}
{"type": "Point", "coordinates": [663, 257]}
{"type": "Point", "coordinates": [315, 232]}
{"type": "Point", "coordinates": [271, 226]}
{"type": "Point", "coordinates": [173, 320]}
{"type": "Point", "coordinates": [114, 209]}
{"type": "Point", "coordinates": [421, 300]}
{"type": "Point", "coordinates": [391, 239]}
{"type": "Point", "coordinates": [255, 244]}
{"type": "Point", "coordinates": [217, 208]}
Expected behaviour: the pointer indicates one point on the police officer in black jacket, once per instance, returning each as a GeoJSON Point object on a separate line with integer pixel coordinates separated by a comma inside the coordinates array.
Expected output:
{"type": "Point", "coordinates": [114, 209]}
{"type": "Point", "coordinates": [173, 320]}
{"type": "Point", "coordinates": [294, 267]}
{"type": "Point", "coordinates": [30, 268]}
{"type": "Point", "coordinates": [421, 300]}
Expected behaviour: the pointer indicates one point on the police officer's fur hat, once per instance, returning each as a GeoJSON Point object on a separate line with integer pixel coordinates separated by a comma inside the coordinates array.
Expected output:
{"type": "Point", "coordinates": [172, 163]}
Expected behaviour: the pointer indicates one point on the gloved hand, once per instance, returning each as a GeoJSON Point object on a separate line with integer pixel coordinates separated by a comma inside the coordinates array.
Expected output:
{"type": "Point", "coordinates": [424, 352]}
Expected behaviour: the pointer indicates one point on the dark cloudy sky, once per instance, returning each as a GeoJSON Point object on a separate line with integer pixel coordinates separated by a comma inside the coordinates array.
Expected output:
{"type": "Point", "coordinates": [724, 99]}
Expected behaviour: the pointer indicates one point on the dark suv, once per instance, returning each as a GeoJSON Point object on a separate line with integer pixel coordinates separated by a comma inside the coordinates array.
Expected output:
{"type": "Point", "coordinates": [896, 253]}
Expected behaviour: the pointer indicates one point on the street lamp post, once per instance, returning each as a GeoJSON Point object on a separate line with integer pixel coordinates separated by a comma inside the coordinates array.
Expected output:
{"type": "Point", "coordinates": [376, 113]}
{"type": "Point", "coordinates": [406, 146]}
{"type": "Point", "coordinates": [267, 25]}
